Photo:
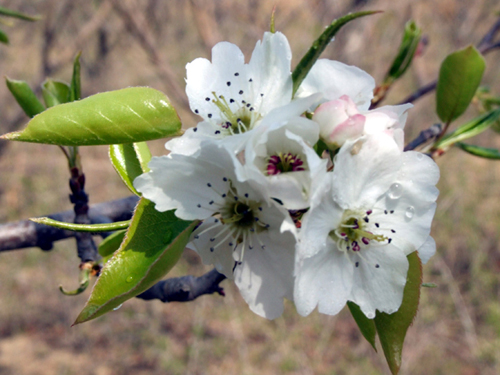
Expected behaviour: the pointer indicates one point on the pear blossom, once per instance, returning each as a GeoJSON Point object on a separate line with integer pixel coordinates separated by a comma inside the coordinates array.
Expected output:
{"type": "Point", "coordinates": [374, 209]}
{"type": "Point", "coordinates": [340, 120]}
{"type": "Point", "coordinates": [281, 158]}
{"type": "Point", "coordinates": [231, 96]}
{"type": "Point", "coordinates": [241, 233]}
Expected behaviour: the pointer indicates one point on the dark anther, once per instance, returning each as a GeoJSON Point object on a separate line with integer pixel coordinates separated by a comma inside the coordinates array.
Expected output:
{"type": "Point", "coordinates": [241, 92]}
{"type": "Point", "coordinates": [228, 83]}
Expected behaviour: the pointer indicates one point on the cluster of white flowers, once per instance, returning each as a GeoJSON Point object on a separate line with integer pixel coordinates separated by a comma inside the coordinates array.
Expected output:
{"type": "Point", "coordinates": [279, 219]}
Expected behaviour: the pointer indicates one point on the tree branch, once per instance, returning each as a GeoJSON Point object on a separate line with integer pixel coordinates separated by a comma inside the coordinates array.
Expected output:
{"type": "Point", "coordinates": [185, 288]}
{"type": "Point", "coordinates": [424, 136]}
{"type": "Point", "coordinates": [25, 233]}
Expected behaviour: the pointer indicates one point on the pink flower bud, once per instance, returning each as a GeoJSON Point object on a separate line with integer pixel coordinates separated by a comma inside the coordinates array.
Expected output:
{"type": "Point", "coordinates": [339, 120]}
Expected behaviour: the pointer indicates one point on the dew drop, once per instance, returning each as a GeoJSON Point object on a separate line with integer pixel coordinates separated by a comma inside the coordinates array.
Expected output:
{"type": "Point", "coordinates": [117, 307]}
{"type": "Point", "coordinates": [420, 156]}
{"type": "Point", "coordinates": [395, 191]}
{"type": "Point", "coordinates": [410, 211]}
{"type": "Point", "coordinates": [129, 279]}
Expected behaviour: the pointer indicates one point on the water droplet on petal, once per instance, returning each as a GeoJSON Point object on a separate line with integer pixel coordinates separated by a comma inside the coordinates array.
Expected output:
{"type": "Point", "coordinates": [395, 191]}
{"type": "Point", "coordinates": [420, 156]}
{"type": "Point", "coordinates": [410, 211]}
{"type": "Point", "coordinates": [129, 279]}
{"type": "Point", "coordinates": [117, 307]}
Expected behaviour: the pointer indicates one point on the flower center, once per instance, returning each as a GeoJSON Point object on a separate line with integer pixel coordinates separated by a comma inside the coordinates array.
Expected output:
{"type": "Point", "coordinates": [239, 121]}
{"type": "Point", "coordinates": [355, 232]}
{"type": "Point", "coordinates": [284, 162]}
{"type": "Point", "coordinates": [242, 215]}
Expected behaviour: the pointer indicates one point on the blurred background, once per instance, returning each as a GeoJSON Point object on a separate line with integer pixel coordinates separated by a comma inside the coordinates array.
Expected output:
{"type": "Point", "coordinates": [148, 43]}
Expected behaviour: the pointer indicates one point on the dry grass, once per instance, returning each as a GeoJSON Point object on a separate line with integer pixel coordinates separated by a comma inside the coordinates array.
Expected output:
{"type": "Point", "coordinates": [457, 329]}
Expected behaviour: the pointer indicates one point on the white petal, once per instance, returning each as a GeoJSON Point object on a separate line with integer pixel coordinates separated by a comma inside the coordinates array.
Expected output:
{"type": "Point", "coordinates": [323, 216]}
{"type": "Point", "coordinates": [379, 288]}
{"type": "Point", "coordinates": [269, 68]}
{"type": "Point", "coordinates": [189, 142]}
{"type": "Point", "coordinates": [367, 167]}
{"type": "Point", "coordinates": [222, 255]}
{"type": "Point", "coordinates": [396, 114]}
{"type": "Point", "coordinates": [427, 250]}
{"type": "Point", "coordinates": [265, 276]}
{"type": "Point", "coordinates": [188, 184]}
{"type": "Point", "coordinates": [413, 203]}
{"type": "Point", "coordinates": [324, 280]}
{"type": "Point", "coordinates": [334, 79]}
{"type": "Point", "coordinates": [204, 78]}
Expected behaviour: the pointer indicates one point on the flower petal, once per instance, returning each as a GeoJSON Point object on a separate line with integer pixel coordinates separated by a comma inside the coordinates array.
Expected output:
{"type": "Point", "coordinates": [324, 280]}
{"type": "Point", "coordinates": [427, 250]}
{"type": "Point", "coordinates": [379, 288]}
{"type": "Point", "coordinates": [413, 204]}
{"type": "Point", "coordinates": [222, 255]}
{"type": "Point", "coordinates": [269, 68]}
{"type": "Point", "coordinates": [323, 216]}
{"type": "Point", "coordinates": [334, 79]}
{"type": "Point", "coordinates": [364, 170]}
{"type": "Point", "coordinates": [188, 183]}
{"type": "Point", "coordinates": [204, 78]}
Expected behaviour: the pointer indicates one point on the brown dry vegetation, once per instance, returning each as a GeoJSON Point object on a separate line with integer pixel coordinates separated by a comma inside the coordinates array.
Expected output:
{"type": "Point", "coordinates": [148, 43]}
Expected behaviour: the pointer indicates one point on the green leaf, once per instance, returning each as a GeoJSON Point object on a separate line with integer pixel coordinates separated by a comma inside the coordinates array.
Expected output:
{"type": "Point", "coordinates": [55, 92]}
{"type": "Point", "coordinates": [319, 45]}
{"type": "Point", "coordinates": [470, 129]}
{"type": "Point", "coordinates": [25, 96]}
{"type": "Point", "coordinates": [391, 328]}
{"type": "Point", "coordinates": [153, 245]}
{"type": "Point", "coordinates": [4, 38]}
{"type": "Point", "coordinates": [76, 86]}
{"type": "Point", "coordinates": [403, 59]}
{"type": "Point", "coordinates": [111, 243]}
{"type": "Point", "coordinates": [366, 326]}
{"type": "Point", "coordinates": [129, 115]}
{"type": "Point", "coordinates": [459, 78]}
{"type": "Point", "coordinates": [12, 13]}
{"type": "Point", "coordinates": [130, 160]}
{"type": "Point", "coordinates": [487, 153]}
{"type": "Point", "coordinates": [95, 228]}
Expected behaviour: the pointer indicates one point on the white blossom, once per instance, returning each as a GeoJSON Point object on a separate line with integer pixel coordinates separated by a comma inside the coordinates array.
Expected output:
{"type": "Point", "coordinates": [241, 233]}
{"type": "Point", "coordinates": [233, 97]}
{"type": "Point", "coordinates": [365, 218]}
